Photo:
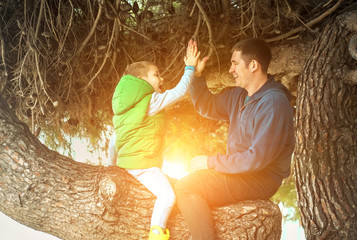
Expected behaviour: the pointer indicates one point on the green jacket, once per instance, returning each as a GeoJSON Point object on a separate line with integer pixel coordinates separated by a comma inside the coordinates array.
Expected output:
{"type": "Point", "coordinates": [140, 138]}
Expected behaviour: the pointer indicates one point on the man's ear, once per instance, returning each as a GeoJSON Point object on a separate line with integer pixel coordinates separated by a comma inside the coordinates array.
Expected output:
{"type": "Point", "coordinates": [254, 65]}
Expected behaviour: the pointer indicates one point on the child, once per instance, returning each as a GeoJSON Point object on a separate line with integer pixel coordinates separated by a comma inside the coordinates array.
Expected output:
{"type": "Point", "coordinates": [140, 124]}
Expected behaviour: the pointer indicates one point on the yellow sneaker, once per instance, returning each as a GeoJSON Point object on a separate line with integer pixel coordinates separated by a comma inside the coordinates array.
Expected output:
{"type": "Point", "coordinates": [160, 236]}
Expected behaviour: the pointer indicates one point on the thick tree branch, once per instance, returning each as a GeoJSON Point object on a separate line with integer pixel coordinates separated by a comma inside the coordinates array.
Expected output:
{"type": "Point", "coordinates": [91, 32]}
{"type": "Point", "coordinates": [309, 24]}
{"type": "Point", "coordinates": [50, 192]}
{"type": "Point", "coordinates": [209, 27]}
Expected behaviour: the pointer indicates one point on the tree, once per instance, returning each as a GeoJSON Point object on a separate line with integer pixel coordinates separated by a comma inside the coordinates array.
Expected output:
{"type": "Point", "coordinates": [326, 129]}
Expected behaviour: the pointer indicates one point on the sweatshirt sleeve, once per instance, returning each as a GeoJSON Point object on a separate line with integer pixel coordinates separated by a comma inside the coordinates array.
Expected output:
{"type": "Point", "coordinates": [159, 101]}
{"type": "Point", "coordinates": [213, 106]}
{"type": "Point", "coordinates": [272, 138]}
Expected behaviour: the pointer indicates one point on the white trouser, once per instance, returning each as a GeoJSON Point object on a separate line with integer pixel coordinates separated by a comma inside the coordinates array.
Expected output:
{"type": "Point", "coordinates": [157, 183]}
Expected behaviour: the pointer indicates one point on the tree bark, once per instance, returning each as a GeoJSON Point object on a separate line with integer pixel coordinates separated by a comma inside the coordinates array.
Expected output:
{"type": "Point", "coordinates": [326, 130]}
{"type": "Point", "coordinates": [52, 193]}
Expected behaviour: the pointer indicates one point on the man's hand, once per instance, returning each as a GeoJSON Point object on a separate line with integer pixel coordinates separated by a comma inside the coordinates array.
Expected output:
{"type": "Point", "coordinates": [200, 66]}
{"type": "Point", "coordinates": [199, 162]}
{"type": "Point", "coordinates": [201, 62]}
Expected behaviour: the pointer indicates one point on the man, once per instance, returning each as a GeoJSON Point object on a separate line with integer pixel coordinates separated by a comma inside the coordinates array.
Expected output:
{"type": "Point", "coordinates": [259, 145]}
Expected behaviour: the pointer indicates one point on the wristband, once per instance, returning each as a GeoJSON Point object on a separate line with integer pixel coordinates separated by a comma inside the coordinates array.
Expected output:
{"type": "Point", "coordinates": [190, 68]}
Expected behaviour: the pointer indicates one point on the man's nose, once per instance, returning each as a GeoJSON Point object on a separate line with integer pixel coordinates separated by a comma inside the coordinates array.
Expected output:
{"type": "Point", "coordinates": [231, 69]}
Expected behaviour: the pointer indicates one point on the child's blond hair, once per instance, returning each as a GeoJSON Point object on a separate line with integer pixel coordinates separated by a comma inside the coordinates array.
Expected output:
{"type": "Point", "coordinates": [138, 69]}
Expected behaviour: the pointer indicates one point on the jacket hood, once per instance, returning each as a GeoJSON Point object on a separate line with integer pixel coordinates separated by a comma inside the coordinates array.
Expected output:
{"type": "Point", "coordinates": [129, 91]}
{"type": "Point", "coordinates": [271, 86]}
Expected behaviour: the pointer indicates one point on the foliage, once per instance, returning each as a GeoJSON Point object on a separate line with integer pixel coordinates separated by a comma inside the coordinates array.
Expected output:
{"type": "Point", "coordinates": [287, 196]}
{"type": "Point", "coordinates": [60, 60]}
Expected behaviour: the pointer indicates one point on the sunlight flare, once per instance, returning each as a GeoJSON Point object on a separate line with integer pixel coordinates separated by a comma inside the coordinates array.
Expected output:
{"type": "Point", "coordinates": [174, 169]}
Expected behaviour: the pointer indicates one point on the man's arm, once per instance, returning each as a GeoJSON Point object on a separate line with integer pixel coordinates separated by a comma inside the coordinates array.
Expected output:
{"type": "Point", "coordinates": [272, 138]}
{"type": "Point", "coordinates": [213, 106]}
{"type": "Point", "coordinates": [207, 104]}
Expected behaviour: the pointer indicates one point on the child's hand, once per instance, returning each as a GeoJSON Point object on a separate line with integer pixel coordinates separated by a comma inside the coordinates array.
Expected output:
{"type": "Point", "coordinates": [192, 54]}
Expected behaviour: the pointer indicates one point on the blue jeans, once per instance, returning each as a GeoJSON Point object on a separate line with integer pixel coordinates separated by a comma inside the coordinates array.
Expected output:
{"type": "Point", "coordinates": [202, 189]}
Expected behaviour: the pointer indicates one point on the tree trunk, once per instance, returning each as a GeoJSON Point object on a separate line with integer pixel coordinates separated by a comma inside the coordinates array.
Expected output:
{"type": "Point", "coordinates": [326, 149]}
{"type": "Point", "coordinates": [52, 193]}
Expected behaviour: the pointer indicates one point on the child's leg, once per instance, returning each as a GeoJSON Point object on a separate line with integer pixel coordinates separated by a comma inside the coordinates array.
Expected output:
{"type": "Point", "coordinates": [157, 183]}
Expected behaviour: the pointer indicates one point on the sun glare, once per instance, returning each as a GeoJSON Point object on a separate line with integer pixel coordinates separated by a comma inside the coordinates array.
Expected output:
{"type": "Point", "coordinates": [174, 169]}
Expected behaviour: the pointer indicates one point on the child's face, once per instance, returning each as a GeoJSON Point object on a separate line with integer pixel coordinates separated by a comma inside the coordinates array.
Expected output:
{"type": "Point", "coordinates": [153, 77]}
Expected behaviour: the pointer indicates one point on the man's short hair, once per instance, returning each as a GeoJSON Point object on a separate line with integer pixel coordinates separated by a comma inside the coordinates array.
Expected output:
{"type": "Point", "coordinates": [138, 69]}
{"type": "Point", "coordinates": [254, 49]}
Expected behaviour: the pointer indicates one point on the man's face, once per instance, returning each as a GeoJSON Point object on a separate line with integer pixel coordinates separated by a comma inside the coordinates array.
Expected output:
{"type": "Point", "coordinates": [153, 77]}
{"type": "Point", "coordinates": [239, 70]}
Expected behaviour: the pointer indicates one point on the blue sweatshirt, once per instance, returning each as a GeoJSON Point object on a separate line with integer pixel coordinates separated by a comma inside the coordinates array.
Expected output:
{"type": "Point", "coordinates": [261, 131]}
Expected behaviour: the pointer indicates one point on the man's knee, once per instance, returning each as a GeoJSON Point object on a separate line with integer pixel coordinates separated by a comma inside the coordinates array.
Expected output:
{"type": "Point", "coordinates": [177, 187]}
{"type": "Point", "coordinates": [180, 188]}
{"type": "Point", "coordinates": [192, 183]}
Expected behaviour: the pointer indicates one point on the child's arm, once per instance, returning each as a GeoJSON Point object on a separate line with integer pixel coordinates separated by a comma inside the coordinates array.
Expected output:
{"type": "Point", "coordinates": [112, 152]}
{"type": "Point", "coordinates": [160, 101]}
